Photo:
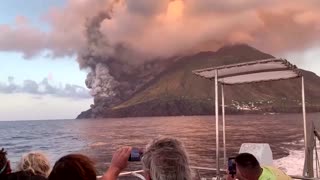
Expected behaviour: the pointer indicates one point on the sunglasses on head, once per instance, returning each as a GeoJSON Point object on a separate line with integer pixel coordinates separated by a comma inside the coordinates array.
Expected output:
{"type": "Point", "coordinates": [4, 167]}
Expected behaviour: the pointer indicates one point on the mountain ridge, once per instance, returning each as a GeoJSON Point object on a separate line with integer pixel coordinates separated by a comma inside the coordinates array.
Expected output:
{"type": "Point", "coordinates": [176, 91]}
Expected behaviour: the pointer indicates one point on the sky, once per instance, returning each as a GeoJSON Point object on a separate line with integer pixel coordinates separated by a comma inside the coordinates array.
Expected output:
{"type": "Point", "coordinates": [42, 43]}
{"type": "Point", "coordinates": [60, 71]}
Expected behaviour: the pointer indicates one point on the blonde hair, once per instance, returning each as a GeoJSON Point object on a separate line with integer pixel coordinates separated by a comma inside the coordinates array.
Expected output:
{"type": "Point", "coordinates": [166, 159]}
{"type": "Point", "coordinates": [36, 163]}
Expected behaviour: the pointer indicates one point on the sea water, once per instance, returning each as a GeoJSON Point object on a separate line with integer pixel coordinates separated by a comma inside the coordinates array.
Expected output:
{"type": "Point", "coordinates": [99, 138]}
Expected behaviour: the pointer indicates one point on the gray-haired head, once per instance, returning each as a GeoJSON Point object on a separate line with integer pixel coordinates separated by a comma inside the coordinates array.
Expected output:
{"type": "Point", "coordinates": [36, 163]}
{"type": "Point", "coordinates": [166, 159]}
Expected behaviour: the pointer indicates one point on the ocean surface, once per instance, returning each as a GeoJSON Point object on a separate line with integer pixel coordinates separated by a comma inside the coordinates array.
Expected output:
{"type": "Point", "coordinates": [99, 138]}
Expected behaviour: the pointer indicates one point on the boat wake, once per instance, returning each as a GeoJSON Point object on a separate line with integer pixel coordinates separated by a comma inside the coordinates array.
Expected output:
{"type": "Point", "coordinates": [293, 163]}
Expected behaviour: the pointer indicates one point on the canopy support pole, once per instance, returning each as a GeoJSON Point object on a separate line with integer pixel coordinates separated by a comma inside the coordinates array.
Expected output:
{"type": "Point", "coordinates": [304, 114]}
{"type": "Point", "coordinates": [305, 173]}
{"type": "Point", "coordinates": [308, 144]}
{"type": "Point", "coordinates": [217, 122]}
{"type": "Point", "coordinates": [223, 127]}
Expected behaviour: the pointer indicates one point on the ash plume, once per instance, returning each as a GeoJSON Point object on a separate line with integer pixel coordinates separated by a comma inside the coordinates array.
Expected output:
{"type": "Point", "coordinates": [96, 56]}
{"type": "Point", "coordinates": [122, 39]}
{"type": "Point", "coordinates": [111, 78]}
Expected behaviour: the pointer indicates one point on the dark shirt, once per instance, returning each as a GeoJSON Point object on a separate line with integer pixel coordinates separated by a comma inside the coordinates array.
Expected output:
{"type": "Point", "coordinates": [22, 176]}
{"type": "Point", "coordinates": [3, 176]}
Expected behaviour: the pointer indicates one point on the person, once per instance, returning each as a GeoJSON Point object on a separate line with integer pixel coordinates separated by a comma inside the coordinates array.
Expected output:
{"type": "Point", "coordinates": [164, 158]}
{"type": "Point", "coordinates": [73, 167]}
{"type": "Point", "coordinates": [248, 167]}
{"type": "Point", "coordinates": [32, 166]}
{"type": "Point", "coordinates": [4, 164]}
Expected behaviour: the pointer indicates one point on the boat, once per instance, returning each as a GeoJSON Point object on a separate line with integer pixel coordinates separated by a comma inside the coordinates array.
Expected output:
{"type": "Point", "coordinates": [265, 70]}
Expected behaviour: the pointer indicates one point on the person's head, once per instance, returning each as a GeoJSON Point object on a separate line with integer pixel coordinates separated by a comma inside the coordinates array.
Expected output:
{"type": "Point", "coordinates": [248, 166]}
{"type": "Point", "coordinates": [73, 166]}
{"type": "Point", "coordinates": [4, 163]}
{"type": "Point", "coordinates": [166, 159]}
{"type": "Point", "coordinates": [35, 163]}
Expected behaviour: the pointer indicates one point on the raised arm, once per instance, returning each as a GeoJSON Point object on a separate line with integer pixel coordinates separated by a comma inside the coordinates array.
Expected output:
{"type": "Point", "coordinates": [119, 162]}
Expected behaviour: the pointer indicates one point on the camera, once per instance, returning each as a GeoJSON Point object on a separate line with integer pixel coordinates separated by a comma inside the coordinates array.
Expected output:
{"type": "Point", "coordinates": [135, 154]}
{"type": "Point", "coordinates": [232, 166]}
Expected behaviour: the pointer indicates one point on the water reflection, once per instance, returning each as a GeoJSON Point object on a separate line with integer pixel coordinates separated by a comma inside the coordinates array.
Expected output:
{"type": "Point", "coordinates": [98, 138]}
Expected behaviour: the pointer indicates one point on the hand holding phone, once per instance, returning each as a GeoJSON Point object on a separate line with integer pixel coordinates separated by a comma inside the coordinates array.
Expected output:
{"type": "Point", "coordinates": [135, 154]}
{"type": "Point", "coordinates": [232, 167]}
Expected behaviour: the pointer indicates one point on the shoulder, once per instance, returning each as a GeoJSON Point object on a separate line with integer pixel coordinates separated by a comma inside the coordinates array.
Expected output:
{"type": "Point", "coordinates": [16, 176]}
{"type": "Point", "coordinates": [22, 175]}
{"type": "Point", "coordinates": [38, 178]}
{"type": "Point", "coordinates": [3, 177]}
{"type": "Point", "coordinates": [267, 174]}
{"type": "Point", "coordinates": [277, 173]}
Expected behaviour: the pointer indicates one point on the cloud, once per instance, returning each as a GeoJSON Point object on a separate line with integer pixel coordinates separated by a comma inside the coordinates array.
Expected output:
{"type": "Point", "coordinates": [111, 38]}
{"type": "Point", "coordinates": [187, 26]}
{"type": "Point", "coordinates": [170, 27]}
{"type": "Point", "coordinates": [44, 88]}
{"type": "Point", "coordinates": [22, 37]}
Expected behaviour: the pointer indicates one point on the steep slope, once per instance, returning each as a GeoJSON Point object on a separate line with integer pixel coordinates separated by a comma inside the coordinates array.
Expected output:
{"type": "Point", "coordinates": [178, 92]}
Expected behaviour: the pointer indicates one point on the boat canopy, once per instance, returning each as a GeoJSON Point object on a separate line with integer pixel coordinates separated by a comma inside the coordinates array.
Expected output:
{"type": "Point", "coordinates": [250, 72]}
{"type": "Point", "coordinates": [253, 72]}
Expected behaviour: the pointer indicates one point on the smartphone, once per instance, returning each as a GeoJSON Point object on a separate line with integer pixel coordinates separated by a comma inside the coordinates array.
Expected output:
{"type": "Point", "coordinates": [135, 154]}
{"type": "Point", "coordinates": [232, 166]}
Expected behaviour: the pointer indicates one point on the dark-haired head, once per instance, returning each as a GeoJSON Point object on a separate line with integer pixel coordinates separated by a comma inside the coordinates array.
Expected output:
{"type": "Point", "coordinates": [248, 166]}
{"type": "Point", "coordinates": [73, 167]}
{"type": "Point", "coordinates": [4, 163]}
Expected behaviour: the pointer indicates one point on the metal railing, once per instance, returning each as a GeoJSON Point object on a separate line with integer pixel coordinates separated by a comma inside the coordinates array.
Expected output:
{"type": "Point", "coordinates": [139, 175]}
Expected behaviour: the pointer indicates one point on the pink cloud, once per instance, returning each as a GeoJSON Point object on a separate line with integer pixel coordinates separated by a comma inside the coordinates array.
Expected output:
{"type": "Point", "coordinates": [21, 37]}
{"type": "Point", "coordinates": [165, 28]}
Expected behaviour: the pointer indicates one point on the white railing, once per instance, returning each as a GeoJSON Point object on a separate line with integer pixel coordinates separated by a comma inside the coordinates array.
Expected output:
{"type": "Point", "coordinates": [130, 173]}
{"type": "Point", "coordinates": [139, 175]}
